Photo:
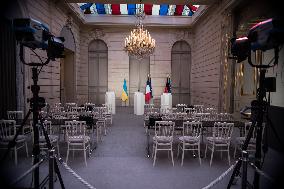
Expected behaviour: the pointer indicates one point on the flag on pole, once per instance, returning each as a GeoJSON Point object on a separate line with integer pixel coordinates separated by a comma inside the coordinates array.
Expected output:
{"type": "Point", "coordinates": [148, 92]}
{"type": "Point", "coordinates": [168, 85]}
{"type": "Point", "coordinates": [124, 95]}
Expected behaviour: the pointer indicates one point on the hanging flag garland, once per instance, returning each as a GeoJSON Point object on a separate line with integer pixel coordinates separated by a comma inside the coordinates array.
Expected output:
{"type": "Point", "coordinates": [130, 9]}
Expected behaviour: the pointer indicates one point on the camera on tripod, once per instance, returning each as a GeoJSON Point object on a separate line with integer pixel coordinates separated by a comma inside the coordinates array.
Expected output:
{"type": "Point", "coordinates": [34, 34]}
{"type": "Point", "coordinates": [265, 35]}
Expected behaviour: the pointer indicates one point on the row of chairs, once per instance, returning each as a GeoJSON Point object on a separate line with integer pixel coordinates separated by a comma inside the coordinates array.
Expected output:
{"type": "Point", "coordinates": [8, 130]}
{"type": "Point", "coordinates": [190, 140]}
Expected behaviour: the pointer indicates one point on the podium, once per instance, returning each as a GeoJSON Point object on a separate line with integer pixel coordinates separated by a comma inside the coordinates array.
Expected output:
{"type": "Point", "coordinates": [166, 101]}
{"type": "Point", "coordinates": [139, 101]}
{"type": "Point", "coordinates": [110, 101]}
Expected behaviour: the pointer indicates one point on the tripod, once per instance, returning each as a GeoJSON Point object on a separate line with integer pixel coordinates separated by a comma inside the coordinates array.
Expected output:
{"type": "Point", "coordinates": [258, 108]}
{"type": "Point", "coordinates": [36, 103]}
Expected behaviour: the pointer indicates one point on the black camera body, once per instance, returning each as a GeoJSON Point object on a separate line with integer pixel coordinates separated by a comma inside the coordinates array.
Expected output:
{"type": "Point", "coordinates": [34, 34]}
{"type": "Point", "coordinates": [265, 35]}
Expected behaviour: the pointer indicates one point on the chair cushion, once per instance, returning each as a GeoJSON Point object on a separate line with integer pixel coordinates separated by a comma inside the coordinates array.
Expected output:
{"type": "Point", "coordinates": [20, 138]}
{"type": "Point", "coordinates": [188, 139]}
{"type": "Point", "coordinates": [52, 138]}
{"type": "Point", "coordinates": [218, 140]}
{"type": "Point", "coordinates": [163, 139]}
{"type": "Point", "coordinates": [78, 139]}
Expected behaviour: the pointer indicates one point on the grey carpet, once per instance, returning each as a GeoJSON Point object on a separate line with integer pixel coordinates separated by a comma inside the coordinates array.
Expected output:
{"type": "Point", "coordinates": [120, 162]}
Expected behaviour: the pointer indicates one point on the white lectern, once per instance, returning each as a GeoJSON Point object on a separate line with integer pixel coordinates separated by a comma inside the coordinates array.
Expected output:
{"type": "Point", "coordinates": [139, 101]}
{"type": "Point", "coordinates": [110, 101]}
{"type": "Point", "coordinates": [166, 101]}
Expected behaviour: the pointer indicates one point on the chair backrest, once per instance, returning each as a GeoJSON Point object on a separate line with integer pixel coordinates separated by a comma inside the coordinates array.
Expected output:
{"type": "Point", "coordinates": [48, 127]}
{"type": "Point", "coordinates": [59, 116]}
{"type": "Point", "coordinates": [96, 115]}
{"type": "Point", "coordinates": [148, 105]}
{"type": "Point", "coordinates": [223, 130]}
{"type": "Point", "coordinates": [72, 115]}
{"type": "Point", "coordinates": [192, 128]}
{"type": "Point", "coordinates": [75, 128]}
{"type": "Point", "coordinates": [244, 130]}
{"type": "Point", "coordinates": [248, 125]}
{"type": "Point", "coordinates": [89, 106]}
{"type": "Point", "coordinates": [70, 105]}
{"type": "Point", "coordinates": [164, 128]}
{"type": "Point", "coordinates": [204, 116]}
{"type": "Point", "coordinates": [225, 117]}
{"type": "Point", "coordinates": [190, 110]}
{"type": "Point", "coordinates": [7, 128]}
{"type": "Point", "coordinates": [171, 116]}
{"type": "Point", "coordinates": [100, 110]}
{"type": "Point", "coordinates": [198, 108]}
{"type": "Point", "coordinates": [77, 109]}
{"type": "Point", "coordinates": [15, 115]}
{"type": "Point", "coordinates": [181, 115]}
{"type": "Point", "coordinates": [58, 104]}
{"type": "Point", "coordinates": [100, 122]}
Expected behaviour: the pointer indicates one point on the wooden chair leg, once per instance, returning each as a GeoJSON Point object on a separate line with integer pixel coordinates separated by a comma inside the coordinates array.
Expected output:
{"type": "Point", "coordinates": [155, 156]}
{"type": "Point", "coordinates": [199, 154]}
{"type": "Point", "coordinates": [205, 153]}
{"type": "Point", "coordinates": [182, 156]}
{"type": "Point", "coordinates": [172, 157]}
{"type": "Point", "coordinates": [16, 155]}
{"type": "Point", "coordinates": [85, 156]}
{"type": "Point", "coordinates": [67, 153]}
{"type": "Point", "coordinates": [212, 155]}
{"type": "Point", "coordinates": [229, 155]}
{"type": "Point", "coordinates": [27, 151]}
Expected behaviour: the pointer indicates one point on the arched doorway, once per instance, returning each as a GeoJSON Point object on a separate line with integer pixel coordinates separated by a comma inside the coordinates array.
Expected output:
{"type": "Point", "coordinates": [138, 71]}
{"type": "Point", "coordinates": [180, 66]}
{"type": "Point", "coordinates": [98, 71]}
{"type": "Point", "coordinates": [67, 67]}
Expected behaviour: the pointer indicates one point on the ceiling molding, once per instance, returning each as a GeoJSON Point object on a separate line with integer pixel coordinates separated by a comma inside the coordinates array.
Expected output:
{"type": "Point", "coordinates": [126, 20]}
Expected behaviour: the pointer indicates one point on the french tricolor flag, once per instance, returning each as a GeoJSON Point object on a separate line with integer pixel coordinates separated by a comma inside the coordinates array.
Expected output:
{"type": "Point", "coordinates": [148, 92]}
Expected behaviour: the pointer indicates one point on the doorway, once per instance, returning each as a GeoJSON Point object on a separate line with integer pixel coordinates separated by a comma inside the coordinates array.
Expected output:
{"type": "Point", "coordinates": [138, 72]}
{"type": "Point", "coordinates": [67, 81]}
{"type": "Point", "coordinates": [98, 72]}
{"type": "Point", "coordinates": [67, 68]}
{"type": "Point", "coordinates": [180, 66]}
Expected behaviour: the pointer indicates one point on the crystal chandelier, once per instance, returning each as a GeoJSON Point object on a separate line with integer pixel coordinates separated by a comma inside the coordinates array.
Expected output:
{"type": "Point", "coordinates": [139, 43]}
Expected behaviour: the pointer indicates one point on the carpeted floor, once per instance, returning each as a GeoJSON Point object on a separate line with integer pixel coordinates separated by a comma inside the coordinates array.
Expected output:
{"type": "Point", "coordinates": [120, 162]}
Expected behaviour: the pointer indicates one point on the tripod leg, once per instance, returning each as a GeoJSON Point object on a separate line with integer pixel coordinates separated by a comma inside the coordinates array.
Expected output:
{"type": "Point", "coordinates": [49, 146]}
{"type": "Point", "coordinates": [235, 173]}
{"type": "Point", "coordinates": [244, 148]}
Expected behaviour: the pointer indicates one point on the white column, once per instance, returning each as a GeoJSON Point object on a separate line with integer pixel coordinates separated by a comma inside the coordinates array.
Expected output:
{"type": "Point", "coordinates": [139, 101]}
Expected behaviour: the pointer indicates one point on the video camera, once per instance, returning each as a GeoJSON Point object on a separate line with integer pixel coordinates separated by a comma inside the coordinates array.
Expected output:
{"type": "Point", "coordinates": [265, 35]}
{"type": "Point", "coordinates": [34, 34]}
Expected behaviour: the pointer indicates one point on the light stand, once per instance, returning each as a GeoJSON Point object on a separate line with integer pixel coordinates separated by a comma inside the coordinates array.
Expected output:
{"type": "Point", "coordinates": [258, 108]}
{"type": "Point", "coordinates": [36, 103]}
{"type": "Point", "coordinates": [36, 107]}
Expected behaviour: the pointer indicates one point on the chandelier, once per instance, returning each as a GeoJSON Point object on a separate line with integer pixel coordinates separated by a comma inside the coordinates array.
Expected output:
{"type": "Point", "coordinates": [139, 43]}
